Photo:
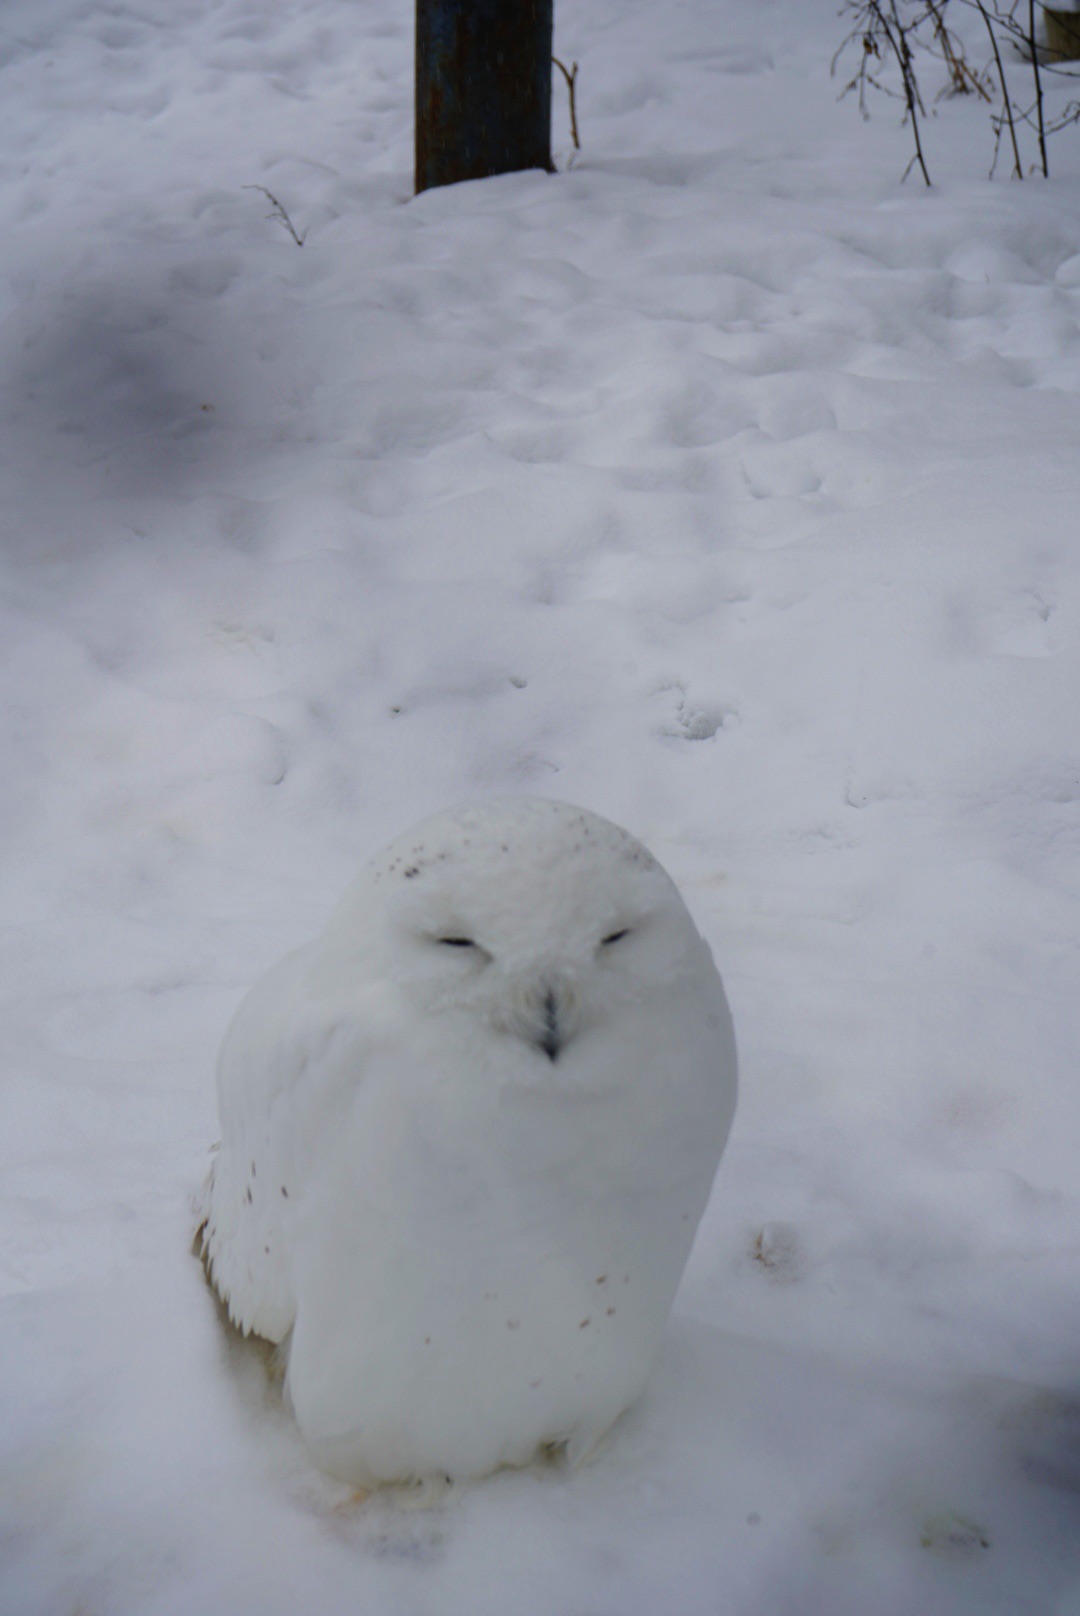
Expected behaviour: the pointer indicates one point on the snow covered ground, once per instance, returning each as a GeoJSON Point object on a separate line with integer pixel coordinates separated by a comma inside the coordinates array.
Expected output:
{"type": "Point", "coordinates": [721, 484]}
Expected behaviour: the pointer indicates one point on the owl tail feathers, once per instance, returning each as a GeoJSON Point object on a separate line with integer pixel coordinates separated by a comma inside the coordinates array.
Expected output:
{"type": "Point", "coordinates": [200, 1240]}
{"type": "Point", "coordinates": [201, 1246]}
{"type": "Point", "coordinates": [267, 1330]}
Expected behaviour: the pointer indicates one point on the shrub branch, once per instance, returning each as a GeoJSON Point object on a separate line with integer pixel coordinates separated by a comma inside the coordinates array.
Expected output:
{"type": "Point", "coordinates": [570, 75]}
{"type": "Point", "coordinates": [279, 213]}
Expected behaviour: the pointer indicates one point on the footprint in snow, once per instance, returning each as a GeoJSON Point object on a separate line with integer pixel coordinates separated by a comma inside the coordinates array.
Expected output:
{"type": "Point", "coordinates": [952, 1537]}
{"type": "Point", "coordinates": [776, 1250]}
{"type": "Point", "coordinates": [693, 722]}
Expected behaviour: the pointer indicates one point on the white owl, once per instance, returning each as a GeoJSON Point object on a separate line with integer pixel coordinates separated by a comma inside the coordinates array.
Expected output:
{"type": "Point", "coordinates": [466, 1138]}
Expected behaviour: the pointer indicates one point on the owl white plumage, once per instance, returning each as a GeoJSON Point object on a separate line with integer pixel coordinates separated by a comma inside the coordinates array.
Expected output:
{"type": "Point", "coordinates": [467, 1137]}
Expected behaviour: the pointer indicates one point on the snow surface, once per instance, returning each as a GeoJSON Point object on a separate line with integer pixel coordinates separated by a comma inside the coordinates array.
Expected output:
{"type": "Point", "coordinates": [721, 484]}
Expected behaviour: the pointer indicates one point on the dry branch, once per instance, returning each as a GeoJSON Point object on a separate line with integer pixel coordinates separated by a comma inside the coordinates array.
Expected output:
{"type": "Point", "coordinates": [570, 75]}
{"type": "Point", "coordinates": [279, 214]}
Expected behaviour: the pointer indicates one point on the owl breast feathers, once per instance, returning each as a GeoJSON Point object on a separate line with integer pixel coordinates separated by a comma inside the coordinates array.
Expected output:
{"type": "Point", "coordinates": [467, 1136]}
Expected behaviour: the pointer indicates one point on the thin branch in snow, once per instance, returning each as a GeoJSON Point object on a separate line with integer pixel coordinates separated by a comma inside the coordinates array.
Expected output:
{"type": "Point", "coordinates": [1041, 121]}
{"type": "Point", "coordinates": [570, 75]}
{"type": "Point", "coordinates": [878, 21]}
{"type": "Point", "coordinates": [962, 77]}
{"type": "Point", "coordinates": [1005, 118]}
{"type": "Point", "coordinates": [279, 213]}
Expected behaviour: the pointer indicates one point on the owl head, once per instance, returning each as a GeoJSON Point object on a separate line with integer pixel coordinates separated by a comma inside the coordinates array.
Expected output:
{"type": "Point", "coordinates": [542, 918]}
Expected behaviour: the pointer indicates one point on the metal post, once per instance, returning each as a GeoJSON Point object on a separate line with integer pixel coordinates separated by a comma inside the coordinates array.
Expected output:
{"type": "Point", "coordinates": [483, 88]}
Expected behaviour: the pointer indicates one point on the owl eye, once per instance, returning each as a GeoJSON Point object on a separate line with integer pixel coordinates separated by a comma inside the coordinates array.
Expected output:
{"type": "Point", "coordinates": [614, 937]}
{"type": "Point", "coordinates": [468, 947]}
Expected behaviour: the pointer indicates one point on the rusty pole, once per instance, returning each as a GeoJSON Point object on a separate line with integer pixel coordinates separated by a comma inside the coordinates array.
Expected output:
{"type": "Point", "coordinates": [483, 88]}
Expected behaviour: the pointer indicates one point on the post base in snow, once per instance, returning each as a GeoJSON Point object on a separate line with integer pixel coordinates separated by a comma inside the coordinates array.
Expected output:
{"type": "Point", "coordinates": [483, 88]}
{"type": "Point", "coordinates": [1062, 35]}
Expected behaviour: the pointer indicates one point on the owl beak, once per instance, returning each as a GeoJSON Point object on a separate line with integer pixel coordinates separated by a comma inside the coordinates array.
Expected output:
{"type": "Point", "coordinates": [551, 1037]}
{"type": "Point", "coordinates": [542, 1012]}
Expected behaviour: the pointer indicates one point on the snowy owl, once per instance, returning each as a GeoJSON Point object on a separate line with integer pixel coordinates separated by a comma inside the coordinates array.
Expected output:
{"type": "Point", "coordinates": [466, 1138]}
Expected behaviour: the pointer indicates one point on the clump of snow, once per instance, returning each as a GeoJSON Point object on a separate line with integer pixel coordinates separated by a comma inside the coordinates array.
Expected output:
{"type": "Point", "coordinates": [721, 484]}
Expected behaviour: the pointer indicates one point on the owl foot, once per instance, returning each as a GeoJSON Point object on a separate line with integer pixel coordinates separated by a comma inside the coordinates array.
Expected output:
{"type": "Point", "coordinates": [355, 1500]}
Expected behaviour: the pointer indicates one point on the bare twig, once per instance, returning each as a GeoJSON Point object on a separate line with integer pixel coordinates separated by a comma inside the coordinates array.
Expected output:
{"type": "Point", "coordinates": [1006, 117]}
{"type": "Point", "coordinates": [902, 51]}
{"type": "Point", "coordinates": [885, 31]}
{"type": "Point", "coordinates": [1041, 122]}
{"type": "Point", "coordinates": [279, 213]}
{"type": "Point", "coordinates": [878, 23]}
{"type": "Point", "coordinates": [1071, 114]}
{"type": "Point", "coordinates": [962, 78]}
{"type": "Point", "coordinates": [570, 75]}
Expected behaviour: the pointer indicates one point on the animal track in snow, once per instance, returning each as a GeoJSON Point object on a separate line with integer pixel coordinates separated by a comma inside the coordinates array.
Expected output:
{"type": "Point", "coordinates": [821, 838]}
{"type": "Point", "coordinates": [778, 471]}
{"type": "Point", "coordinates": [208, 277]}
{"type": "Point", "coordinates": [736, 59]}
{"type": "Point", "coordinates": [696, 416]}
{"type": "Point", "coordinates": [776, 1248]}
{"type": "Point", "coordinates": [1022, 627]}
{"type": "Point", "coordinates": [952, 1536]}
{"type": "Point", "coordinates": [233, 636]}
{"type": "Point", "coordinates": [1017, 623]}
{"type": "Point", "coordinates": [1044, 1433]}
{"type": "Point", "coordinates": [791, 411]}
{"type": "Point", "coordinates": [863, 790]}
{"type": "Point", "coordinates": [533, 446]}
{"type": "Point", "coordinates": [693, 722]}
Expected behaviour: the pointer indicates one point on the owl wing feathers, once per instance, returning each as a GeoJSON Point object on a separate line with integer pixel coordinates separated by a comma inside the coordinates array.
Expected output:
{"type": "Point", "coordinates": [268, 1070]}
